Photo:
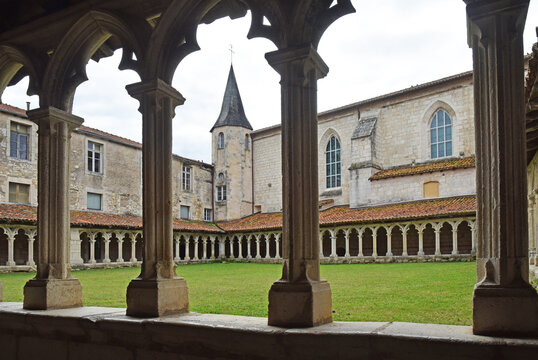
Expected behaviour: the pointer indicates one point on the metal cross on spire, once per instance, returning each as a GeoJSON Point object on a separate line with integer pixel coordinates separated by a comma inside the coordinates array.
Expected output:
{"type": "Point", "coordinates": [232, 52]}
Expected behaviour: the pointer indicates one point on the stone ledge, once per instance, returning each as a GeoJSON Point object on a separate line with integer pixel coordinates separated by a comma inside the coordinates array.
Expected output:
{"type": "Point", "coordinates": [92, 332]}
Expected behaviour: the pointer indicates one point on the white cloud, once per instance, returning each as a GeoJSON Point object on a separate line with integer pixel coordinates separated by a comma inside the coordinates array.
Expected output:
{"type": "Point", "coordinates": [387, 45]}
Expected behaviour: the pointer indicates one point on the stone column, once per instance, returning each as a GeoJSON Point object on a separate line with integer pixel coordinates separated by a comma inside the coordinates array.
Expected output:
{"type": "Point", "coordinates": [437, 228]}
{"type": "Point", "coordinates": [267, 255]}
{"type": "Point", "coordinates": [472, 226]}
{"type": "Point", "coordinates": [106, 239]}
{"type": "Point", "coordinates": [532, 235]}
{"type": "Point", "coordinates": [504, 303]}
{"type": "Point", "coordinates": [240, 246]}
{"type": "Point", "coordinates": [333, 242]}
{"type": "Point", "coordinates": [10, 233]}
{"type": "Point", "coordinates": [360, 233]}
{"type": "Point", "coordinates": [213, 247]}
{"type": "Point", "coordinates": [231, 245]}
{"type": "Point", "coordinates": [389, 239]}
{"type": "Point", "coordinates": [187, 247]}
{"type": "Point", "coordinates": [258, 256]}
{"type": "Point", "coordinates": [158, 290]}
{"type": "Point", "coordinates": [222, 251]}
{"type": "Point", "coordinates": [455, 225]}
{"type": "Point", "coordinates": [277, 242]}
{"type": "Point", "coordinates": [204, 244]}
{"type": "Point", "coordinates": [176, 243]}
{"type": "Point", "coordinates": [133, 248]}
{"type": "Point", "coordinates": [31, 233]}
{"type": "Point", "coordinates": [249, 255]}
{"type": "Point", "coordinates": [405, 229]}
{"type": "Point", "coordinates": [420, 229]}
{"type": "Point", "coordinates": [300, 298]}
{"type": "Point", "coordinates": [374, 241]}
{"type": "Point", "coordinates": [321, 244]}
{"type": "Point", "coordinates": [346, 234]}
{"type": "Point", "coordinates": [91, 238]}
{"type": "Point", "coordinates": [119, 238]}
{"type": "Point", "coordinates": [196, 249]}
{"type": "Point", "coordinates": [76, 246]}
{"type": "Point", "coordinates": [53, 285]}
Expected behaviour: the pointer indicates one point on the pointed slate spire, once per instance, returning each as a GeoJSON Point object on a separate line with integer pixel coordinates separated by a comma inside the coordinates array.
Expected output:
{"type": "Point", "coordinates": [232, 112]}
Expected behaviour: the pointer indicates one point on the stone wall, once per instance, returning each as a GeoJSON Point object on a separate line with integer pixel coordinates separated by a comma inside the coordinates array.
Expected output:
{"type": "Point", "coordinates": [267, 149]}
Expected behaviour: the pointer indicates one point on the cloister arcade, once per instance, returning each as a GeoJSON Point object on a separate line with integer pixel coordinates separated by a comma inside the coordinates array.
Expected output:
{"type": "Point", "coordinates": [53, 48]}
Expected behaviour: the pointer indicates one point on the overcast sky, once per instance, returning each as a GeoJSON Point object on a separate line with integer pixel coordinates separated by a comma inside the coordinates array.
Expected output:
{"type": "Point", "coordinates": [385, 46]}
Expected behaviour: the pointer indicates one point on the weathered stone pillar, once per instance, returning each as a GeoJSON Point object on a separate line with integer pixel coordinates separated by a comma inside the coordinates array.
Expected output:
{"type": "Point", "coordinates": [504, 303]}
{"type": "Point", "coordinates": [106, 239]}
{"type": "Point", "coordinates": [420, 229]}
{"type": "Point", "coordinates": [360, 233]}
{"type": "Point", "coordinates": [455, 225]}
{"type": "Point", "coordinates": [258, 255]}
{"type": "Point", "coordinates": [196, 248]}
{"type": "Point", "coordinates": [437, 229]}
{"type": "Point", "coordinates": [204, 252]}
{"type": "Point", "coordinates": [10, 233]}
{"type": "Point", "coordinates": [119, 239]}
{"type": "Point", "coordinates": [277, 242]}
{"type": "Point", "coordinates": [405, 229]}
{"type": "Point", "coordinates": [346, 234]}
{"type": "Point", "coordinates": [321, 255]}
{"type": "Point", "coordinates": [158, 290]}
{"type": "Point", "coordinates": [300, 298]}
{"type": "Point", "coordinates": [187, 247]}
{"type": "Point", "coordinates": [472, 226]}
{"type": "Point", "coordinates": [249, 255]}
{"type": "Point", "coordinates": [32, 233]}
{"type": "Point", "coordinates": [76, 246]}
{"type": "Point", "coordinates": [133, 248]}
{"type": "Point", "coordinates": [532, 235]}
{"type": "Point", "coordinates": [231, 245]}
{"type": "Point", "coordinates": [333, 242]}
{"type": "Point", "coordinates": [374, 241]}
{"type": "Point", "coordinates": [53, 286]}
{"type": "Point", "coordinates": [267, 255]}
{"type": "Point", "coordinates": [213, 247]}
{"type": "Point", "coordinates": [240, 246]}
{"type": "Point", "coordinates": [222, 243]}
{"type": "Point", "coordinates": [389, 240]}
{"type": "Point", "coordinates": [91, 238]}
{"type": "Point", "coordinates": [176, 244]}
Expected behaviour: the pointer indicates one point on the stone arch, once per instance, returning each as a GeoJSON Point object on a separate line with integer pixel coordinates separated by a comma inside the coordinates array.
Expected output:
{"type": "Point", "coordinates": [15, 64]}
{"type": "Point", "coordinates": [67, 67]}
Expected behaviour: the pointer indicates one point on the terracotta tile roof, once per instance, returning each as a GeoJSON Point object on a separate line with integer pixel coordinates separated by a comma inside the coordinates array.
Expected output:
{"type": "Point", "coordinates": [450, 164]}
{"type": "Point", "coordinates": [12, 110]}
{"type": "Point", "coordinates": [422, 209]}
{"type": "Point", "coordinates": [27, 214]}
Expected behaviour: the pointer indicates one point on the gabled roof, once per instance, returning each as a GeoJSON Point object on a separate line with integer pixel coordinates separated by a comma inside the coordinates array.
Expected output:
{"type": "Point", "coordinates": [442, 165]}
{"type": "Point", "coordinates": [232, 112]}
{"type": "Point", "coordinates": [364, 128]}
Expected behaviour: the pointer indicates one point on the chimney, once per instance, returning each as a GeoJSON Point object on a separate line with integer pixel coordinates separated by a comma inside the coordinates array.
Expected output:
{"type": "Point", "coordinates": [27, 106]}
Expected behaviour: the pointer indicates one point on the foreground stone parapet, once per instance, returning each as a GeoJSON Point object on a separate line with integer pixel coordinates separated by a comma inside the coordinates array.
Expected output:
{"type": "Point", "coordinates": [52, 294]}
{"type": "Point", "coordinates": [106, 333]}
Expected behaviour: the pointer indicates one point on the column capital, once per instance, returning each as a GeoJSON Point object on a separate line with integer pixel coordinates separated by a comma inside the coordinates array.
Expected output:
{"type": "Point", "coordinates": [106, 236]}
{"type": "Point", "coordinates": [478, 9]}
{"type": "Point", "coordinates": [307, 57]}
{"type": "Point", "coordinates": [53, 115]}
{"type": "Point", "coordinates": [156, 87]}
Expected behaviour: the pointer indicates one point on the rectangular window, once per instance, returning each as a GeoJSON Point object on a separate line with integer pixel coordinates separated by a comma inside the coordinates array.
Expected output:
{"type": "Point", "coordinates": [95, 157]}
{"type": "Point", "coordinates": [19, 141]}
{"type": "Point", "coordinates": [207, 215]}
{"type": "Point", "coordinates": [94, 201]}
{"type": "Point", "coordinates": [186, 178]}
{"type": "Point", "coordinates": [19, 193]}
{"type": "Point", "coordinates": [221, 193]}
{"type": "Point", "coordinates": [184, 212]}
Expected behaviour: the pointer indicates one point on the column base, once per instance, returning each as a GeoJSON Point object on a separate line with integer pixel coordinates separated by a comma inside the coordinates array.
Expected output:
{"type": "Point", "coordinates": [154, 298]}
{"type": "Point", "coordinates": [300, 305]}
{"type": "Point", "coordinates": [505, 311]}
{"type": "Point", "coordinates": [52, 294]}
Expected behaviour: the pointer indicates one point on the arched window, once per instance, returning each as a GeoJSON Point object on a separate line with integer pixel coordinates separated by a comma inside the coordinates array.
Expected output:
{"type": "Point", "coordinates": [441, 135]}
{"type": "Point", "coordinates": [332, 163]}
{"type": "Point", "coordinates": [247, 142]}
{"type": "Point", "coordinates": [220, 141]}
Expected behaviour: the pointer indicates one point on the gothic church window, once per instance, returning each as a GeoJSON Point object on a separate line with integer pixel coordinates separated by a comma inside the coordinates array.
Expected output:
{"type": "Point", "coordinates": [333, 171]}
{"type": "Point", "coordinates": [95, 158]}
{"type": "Point", "coordinates": [19, 141]}
{"type": "Point", "coordinates": [220, 141]}
{"type": "Point", "coordinates": [186, 178]}
{"type": "Point", "coordinates": [441, 135]}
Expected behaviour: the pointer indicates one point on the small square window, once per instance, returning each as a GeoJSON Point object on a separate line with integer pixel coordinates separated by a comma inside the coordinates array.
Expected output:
{"type": "Point", "coordinates": [184, 212]}
{"type": "Point", "coordinates": [94, 201]}
{"type": "Point", "coordinates": [207, 215]}
{"type": "Point", "coordinates": [19, 193]}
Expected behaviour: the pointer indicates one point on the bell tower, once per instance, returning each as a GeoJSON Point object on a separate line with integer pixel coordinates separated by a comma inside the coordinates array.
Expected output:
{"type": "Point", "coordinates": [232, 156]}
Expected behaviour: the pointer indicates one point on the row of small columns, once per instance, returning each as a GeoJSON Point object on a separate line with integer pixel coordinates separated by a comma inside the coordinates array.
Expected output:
{"type": "Point", "coordinates": [11, 233]}
{"type": "Point", "coordinates": [503, 301]}
{"type": "Point", "coordinates": [404, 228]}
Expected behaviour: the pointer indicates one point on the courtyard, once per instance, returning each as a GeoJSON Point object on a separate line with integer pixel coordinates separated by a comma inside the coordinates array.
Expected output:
{"type": "Point", "coordinates": [439, 293]}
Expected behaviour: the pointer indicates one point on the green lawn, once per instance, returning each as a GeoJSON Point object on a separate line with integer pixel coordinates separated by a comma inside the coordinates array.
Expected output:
{"type": "Point", "coordinates": [426, 293]}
